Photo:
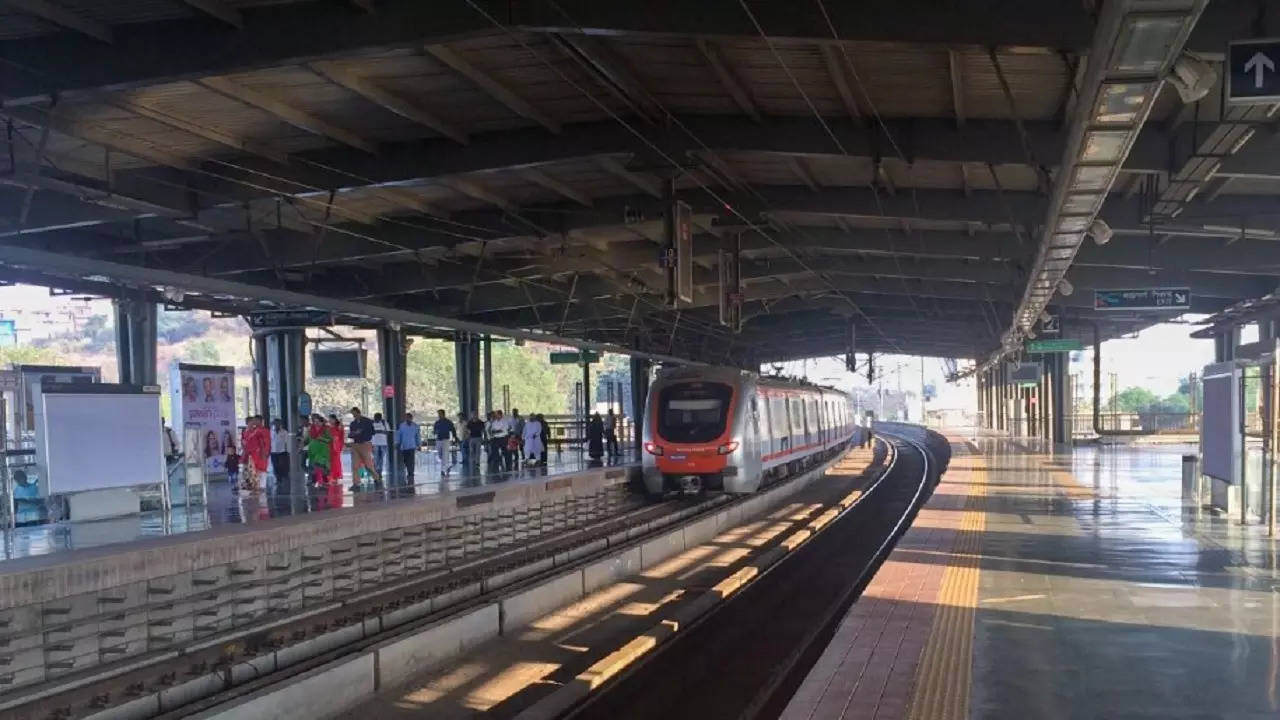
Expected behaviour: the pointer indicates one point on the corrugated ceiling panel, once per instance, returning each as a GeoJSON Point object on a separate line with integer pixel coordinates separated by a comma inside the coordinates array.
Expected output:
{"type": "Point", "coordinates": [674, 72]}
{"type": "Point", "coordinates": [771, 79]}
{"type": "Point", "coordinates": [541, 75]}
{"type": "Point", "coordinates": [198, 105]}
{"type": "Point", "coordinates": [1038, 82]}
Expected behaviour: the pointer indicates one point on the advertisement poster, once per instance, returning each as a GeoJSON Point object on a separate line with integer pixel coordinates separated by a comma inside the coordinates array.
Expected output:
{"type": "Point", "coordinates": [204, 408]}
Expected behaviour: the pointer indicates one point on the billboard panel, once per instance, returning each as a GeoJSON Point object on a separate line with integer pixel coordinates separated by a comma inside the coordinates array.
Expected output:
{"type": "Point", "coordinates": [204, 401]}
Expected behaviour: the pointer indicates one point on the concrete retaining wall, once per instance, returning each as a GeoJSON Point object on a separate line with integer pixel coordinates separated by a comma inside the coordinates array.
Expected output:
{"type": "Point", "coordinates": [421, 649]}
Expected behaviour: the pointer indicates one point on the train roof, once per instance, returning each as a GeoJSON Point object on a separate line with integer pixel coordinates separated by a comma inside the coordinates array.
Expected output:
{"type": "Point", "coordinates": [727, 374]}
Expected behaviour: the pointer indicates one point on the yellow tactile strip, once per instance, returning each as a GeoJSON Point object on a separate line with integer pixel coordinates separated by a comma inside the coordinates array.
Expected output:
{"type": "Point", "coordinates": [942, 685]}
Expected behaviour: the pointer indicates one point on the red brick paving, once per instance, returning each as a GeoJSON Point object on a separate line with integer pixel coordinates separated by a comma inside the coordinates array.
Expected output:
{"type": "Point", "coordinates": [869, 668]}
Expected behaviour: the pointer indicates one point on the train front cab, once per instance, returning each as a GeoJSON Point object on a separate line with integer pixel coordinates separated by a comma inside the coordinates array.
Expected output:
{"type": "Point", "coordinates": [694, 437]}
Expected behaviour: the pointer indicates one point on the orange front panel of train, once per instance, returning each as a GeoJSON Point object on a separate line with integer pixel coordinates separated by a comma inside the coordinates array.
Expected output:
{"type": "Point", "coordinates": [691, 428]}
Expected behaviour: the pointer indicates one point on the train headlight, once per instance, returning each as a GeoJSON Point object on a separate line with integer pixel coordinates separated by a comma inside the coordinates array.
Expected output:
{"type": "Point", "coordinates": [728, 447]}
{"type": "Point", "coordinates": [653, 448]}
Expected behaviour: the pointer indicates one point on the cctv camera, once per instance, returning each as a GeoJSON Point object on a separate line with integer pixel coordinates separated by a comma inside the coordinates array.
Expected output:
{"type": "Point", "coordinates": [1065, 287]}
{"type": "Point", "coordinates": [1192, 77]}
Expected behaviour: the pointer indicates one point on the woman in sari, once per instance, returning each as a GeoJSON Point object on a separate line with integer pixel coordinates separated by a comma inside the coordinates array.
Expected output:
{"type": "Point", "coordinates": [318, 443]}
{"type": "Point", "coordinates": [335, 450]}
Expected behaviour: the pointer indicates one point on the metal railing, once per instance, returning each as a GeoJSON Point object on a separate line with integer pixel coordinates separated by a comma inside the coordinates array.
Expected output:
{"type": "Point", "coordinates": [1136, 423]}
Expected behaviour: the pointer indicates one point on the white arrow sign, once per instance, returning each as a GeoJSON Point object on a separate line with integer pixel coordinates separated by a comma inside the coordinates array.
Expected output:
{"type": "Point", "coordinates": [1259, 64]}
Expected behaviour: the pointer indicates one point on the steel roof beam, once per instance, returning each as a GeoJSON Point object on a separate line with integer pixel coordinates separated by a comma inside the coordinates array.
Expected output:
{"type": "Point", "coordinates": [376, 94]}
{"type": "Point", "coordinates": [155, 52]}
{"type": "Point", "coordinates": [288, 113]}
{"type": "Point", "coordinates": [60, 16]}
{"type": "Point", "coordinates": [219, 10]}
{"type": "Point", "coordinates": [497, 90]}
{"type": "Point", "coordinates": [715, 60]}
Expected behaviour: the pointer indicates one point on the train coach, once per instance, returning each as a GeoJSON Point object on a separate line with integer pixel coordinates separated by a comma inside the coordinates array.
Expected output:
{"type": "Point", "coordinates": [732, 430]}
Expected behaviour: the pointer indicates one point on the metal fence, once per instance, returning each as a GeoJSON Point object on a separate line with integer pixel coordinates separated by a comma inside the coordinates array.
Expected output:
{"type": "Point", "coordinates": [1135, 423]}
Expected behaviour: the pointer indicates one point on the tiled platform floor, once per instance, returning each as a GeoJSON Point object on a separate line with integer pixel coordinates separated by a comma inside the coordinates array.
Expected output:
{"type": "Point", "coordinates": [1071, 586]}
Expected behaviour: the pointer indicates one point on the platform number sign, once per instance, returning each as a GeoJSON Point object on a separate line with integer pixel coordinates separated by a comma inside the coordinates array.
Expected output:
{"type": "Point", "coordinates": [1254, 71]}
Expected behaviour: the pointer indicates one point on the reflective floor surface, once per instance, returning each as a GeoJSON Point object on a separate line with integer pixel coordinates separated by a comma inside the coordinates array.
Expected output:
{"type": "Point", "coordinates": [1079, 585]}
{"type": "Point", "coordinates": [225, 505]}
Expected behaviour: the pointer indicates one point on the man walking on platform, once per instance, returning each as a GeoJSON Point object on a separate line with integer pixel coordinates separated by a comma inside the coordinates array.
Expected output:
{"type": "Point", "coordinates": [443, 430]}
{"type": "Point", "coordinates": [611, 434]}
{"type": "Point", "coordinates": [361, 434]}
{"type": "Point", "coordinates": [408, 440]}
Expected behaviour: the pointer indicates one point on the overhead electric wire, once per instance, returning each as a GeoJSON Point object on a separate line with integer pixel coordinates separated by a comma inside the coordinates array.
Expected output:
{"type": "Point", "coordinates": [239, 204]}
{"type": "Point", "coordinates": [654, 147]}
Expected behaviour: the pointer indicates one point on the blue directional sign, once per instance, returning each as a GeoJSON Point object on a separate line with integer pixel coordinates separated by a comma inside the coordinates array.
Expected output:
{"type": "Point", "coordinates": [1252, 75]}
{"type": "Point", "coordinates": [1143, 299]}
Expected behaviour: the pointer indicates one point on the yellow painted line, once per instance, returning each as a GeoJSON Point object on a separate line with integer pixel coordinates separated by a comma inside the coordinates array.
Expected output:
{"type": "Point", "coordinates": [819, 522]}
{"type": "Point", "coordinates": [946, 667]}
{"type": "Point", "coordinates": [850, 499]}
{"type": "Point", "coordinates": [734, 582]}
{"type": "Point", "coordinates": [616, 661]}
{"type": "Point", "coordinates": [796, 539]}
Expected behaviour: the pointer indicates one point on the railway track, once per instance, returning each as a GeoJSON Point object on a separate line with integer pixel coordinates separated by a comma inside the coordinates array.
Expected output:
{"type": "Point", "coordinates": [745, 658]}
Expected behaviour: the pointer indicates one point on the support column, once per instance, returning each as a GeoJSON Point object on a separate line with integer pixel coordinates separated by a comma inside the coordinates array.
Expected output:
{"type": "Point", "coordinates": [1061, 433]}
{"type": "Point", "coordinates": [136, 341]}
{"type": "Point", "coordinates": [467, 371]}
{"type": "Point", "coordinates": [280, 356]}
{"type": "Point", "coordinates": [586, 391]}
{"type": "Point", "coordinates": [980, 386]}
{"type": "Point", "coordinates": [391, 361]}
{"type": "Point", "coordinates": [639, 397]}
{"type": "Point", "coordinates": [488, 374]}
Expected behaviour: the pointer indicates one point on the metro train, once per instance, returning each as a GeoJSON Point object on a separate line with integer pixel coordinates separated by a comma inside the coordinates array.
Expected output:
{"type": "Point", "coordinates": [732, 430]}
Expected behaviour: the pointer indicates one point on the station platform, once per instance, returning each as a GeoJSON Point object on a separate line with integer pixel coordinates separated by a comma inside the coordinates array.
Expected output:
{"type": "Point", "coordinates": [225, 505]}
{"type": "Point", "coordinates": [1035, 585]}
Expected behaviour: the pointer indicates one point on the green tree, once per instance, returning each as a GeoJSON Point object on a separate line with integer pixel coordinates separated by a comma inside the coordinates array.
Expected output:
{"type": "Point", "coordinates": [203, 351]}
{"type": "Point", "coordinates": [1133, 399]}
{"type": "Point", "coordinates": [30, 355]}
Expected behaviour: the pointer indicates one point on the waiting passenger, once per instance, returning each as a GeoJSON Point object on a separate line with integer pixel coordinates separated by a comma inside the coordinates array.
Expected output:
{"type": "Point", "coordinates": [280, 453]}
{"type": "Point", "coordinates": [339, 437]}
{"type": "Point", "coordinates": [443, 430]}
{"type": "Point", "coordinates": [380, 433]}
{"type": "Point", "coordinates": [475, 439]}
{"type": "Point", "coordinates": [595, 437]}
{"type": "Point", "coordinates": [319, 443]}
{"type": "Point", "coordinates": [516, 440]}
{"type": "Point", "coordinates": [257, 445]}
{"type": "Point", "coordinates": [408, 440]}
{"type": "Point", "coordinates": [532, 437]}
{"type": "Point", "coordinates": [231, 462]}
{"type": "Point", "coordinates": [362, 449]}
{"type": "Point", "coordinates": [611, 433]}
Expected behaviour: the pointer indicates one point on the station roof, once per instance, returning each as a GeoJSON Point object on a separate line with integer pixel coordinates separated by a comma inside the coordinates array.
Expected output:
{"type": "Point", "coordinates": [502, 164]}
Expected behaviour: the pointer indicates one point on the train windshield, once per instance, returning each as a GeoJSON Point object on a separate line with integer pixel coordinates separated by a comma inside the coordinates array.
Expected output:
{"type": "Point", "coordinates": [693, 412]}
